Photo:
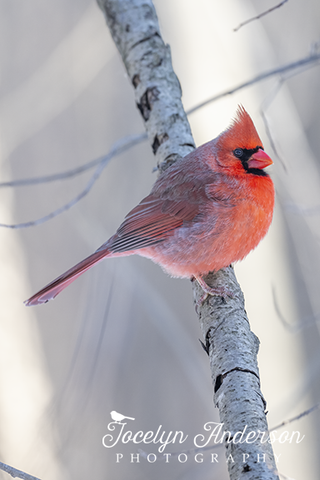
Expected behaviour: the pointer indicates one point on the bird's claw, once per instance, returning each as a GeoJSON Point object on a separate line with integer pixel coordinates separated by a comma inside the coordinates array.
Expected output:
{"type": "Point", "coordinates": [210, 291]}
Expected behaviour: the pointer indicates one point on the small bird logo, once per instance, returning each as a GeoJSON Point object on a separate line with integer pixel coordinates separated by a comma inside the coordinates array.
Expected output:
{"type": "Point", "coordinates": [118, 417]}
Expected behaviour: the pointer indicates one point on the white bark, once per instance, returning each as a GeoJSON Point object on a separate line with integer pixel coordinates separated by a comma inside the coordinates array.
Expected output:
{"type": "Point", "coordinates": [231, 345]}
{"type": "Point", "coordinates": [233, 348]}
{"type": "Point", "coordinates": [135, 30]}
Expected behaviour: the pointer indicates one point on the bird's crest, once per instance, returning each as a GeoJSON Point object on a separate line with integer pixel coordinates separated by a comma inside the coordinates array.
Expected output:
{"type": "Point", "coordinates": [241, 133]}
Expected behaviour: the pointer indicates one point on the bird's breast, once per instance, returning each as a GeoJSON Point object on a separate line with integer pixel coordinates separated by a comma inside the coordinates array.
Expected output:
{"type": "Point", "coordinates": [220, 235]}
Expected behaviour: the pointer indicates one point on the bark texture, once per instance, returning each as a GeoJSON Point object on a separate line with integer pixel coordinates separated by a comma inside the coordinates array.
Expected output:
{"type": "Point", "coordinates": [232, 348]}
{"type": "Point", "coordinates": [229, 342]}
{"type": "Point", "coordinates": [135, 30]}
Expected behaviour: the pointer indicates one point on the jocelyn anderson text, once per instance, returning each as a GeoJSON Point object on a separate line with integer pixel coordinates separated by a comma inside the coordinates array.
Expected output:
{"type": "Point", "coordinates": [213, 433]}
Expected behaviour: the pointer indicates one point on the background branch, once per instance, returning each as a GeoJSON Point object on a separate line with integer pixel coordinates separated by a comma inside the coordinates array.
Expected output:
{"type": "Point", "coordinates": [126, 143]}
{"type": "Point", "coordinates": [260, 15]}
{"type": "Point", "coordinates": [297, 417]}
{"type": "Point", "coordinates": [304, 63]}
{"type": "Point", "coordinates": [119, 147]}
{"type": "Point", "coordinates": [15, 473]}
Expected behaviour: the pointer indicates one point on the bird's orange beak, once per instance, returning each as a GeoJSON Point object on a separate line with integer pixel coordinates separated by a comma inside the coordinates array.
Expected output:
{"type": "Point", "coordinates": [259, 160]}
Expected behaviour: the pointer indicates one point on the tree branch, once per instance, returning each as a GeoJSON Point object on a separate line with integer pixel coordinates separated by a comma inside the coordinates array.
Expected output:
{"type": "Point", "coordinates": [15, 473]}
{"type": "Point", "coordinates": [302, 324]}
{"type": "Point", "coordinates": [119, 147]}
{"type": "Point", "coordinates": [297, 417]}
{"type": "Point", "coordinates": [304, 63]}
{"type": "Point", "coordinates": [229, 341]}
{"type": "Point", "coordinates": [260, 15]}
{"type": "Point", "coordinates": [135, 31]}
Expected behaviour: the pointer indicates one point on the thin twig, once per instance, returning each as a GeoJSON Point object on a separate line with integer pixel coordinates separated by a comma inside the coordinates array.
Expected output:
{"type": "Point", "coordinates": [270, 98]}
{"type": "Point", "coordinates": [65, 207]}
{"type": "Point", "coordinates": [14, 472]}
{"type": "Point", "coordinates": [119, 147]}
{"type": "Point", "coordinates": [265, 105]}
{"type": "Point", "coordinates": [293, 419]}
{"type": "Point", "coordinates": [305, 323]}
{"type": "Point", "coordinates": [124, 145]}
{"type": "Point", "coordinates": [269, 135]}
{"type": "Point", "coordinates": [306, 62]}
{"type": "Point", "coordinates": [260, 15]}
{"type": "Point", "coordinates": [296, 209]}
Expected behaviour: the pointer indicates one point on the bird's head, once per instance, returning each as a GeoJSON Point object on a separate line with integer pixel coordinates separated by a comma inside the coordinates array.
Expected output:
{"type": "Point", "coordinates": [240, 149]}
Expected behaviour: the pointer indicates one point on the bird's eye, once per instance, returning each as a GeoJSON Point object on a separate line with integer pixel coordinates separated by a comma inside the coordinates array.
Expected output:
{"type": "Point", "coordinates": [238, 152]}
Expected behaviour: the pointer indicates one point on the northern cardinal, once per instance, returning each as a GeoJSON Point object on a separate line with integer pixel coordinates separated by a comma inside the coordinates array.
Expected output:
{"type": "Point", "coordinates": [206, 211]}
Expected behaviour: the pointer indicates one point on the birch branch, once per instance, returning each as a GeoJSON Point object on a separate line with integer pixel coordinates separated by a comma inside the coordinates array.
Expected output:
{"type": "Point", "coordinates": [229, 341]}
{"type": "Point", "coordinates": [135, 31]}
{"type": "Point", "coordinates": [233, 348]}
{"type": "Point", "coordinates": [231, 345]}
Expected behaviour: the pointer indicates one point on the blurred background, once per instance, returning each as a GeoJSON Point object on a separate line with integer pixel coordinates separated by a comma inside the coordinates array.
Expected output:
{"type": "Point", "coordinates": [125, 336]}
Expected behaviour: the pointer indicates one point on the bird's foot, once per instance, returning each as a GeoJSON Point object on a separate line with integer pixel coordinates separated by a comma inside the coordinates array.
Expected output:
{"type": "Point", "coordinates": [212, 291]}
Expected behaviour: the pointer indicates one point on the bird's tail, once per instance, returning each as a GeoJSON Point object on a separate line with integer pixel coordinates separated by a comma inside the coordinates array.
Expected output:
{"type": "Point", "coordinates": [51, 290]}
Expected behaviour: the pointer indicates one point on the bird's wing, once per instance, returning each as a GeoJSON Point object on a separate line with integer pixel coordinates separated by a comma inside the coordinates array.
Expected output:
{"type": "Point", "coordinates": [151, 222]}
{"type": "Point", "coordinates": [157, 216]}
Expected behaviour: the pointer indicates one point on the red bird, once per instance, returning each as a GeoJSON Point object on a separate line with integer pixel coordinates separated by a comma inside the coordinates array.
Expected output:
{"type": "Point", "coordinates": [206, 211]}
